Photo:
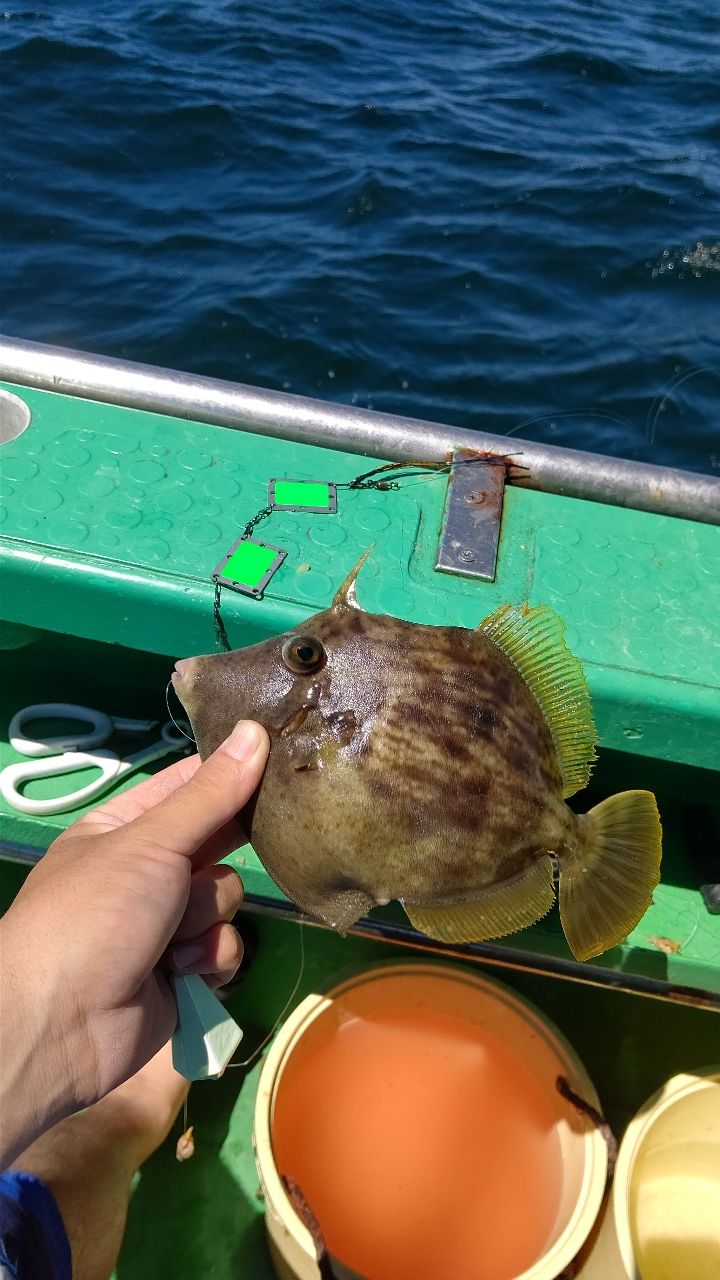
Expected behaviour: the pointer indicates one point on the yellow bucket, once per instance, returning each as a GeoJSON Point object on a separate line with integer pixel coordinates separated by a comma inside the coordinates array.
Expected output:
{"type": "Point", "coordinates": [519, 1026]}
{"type": "Point", "coordinates": [662, 1219]}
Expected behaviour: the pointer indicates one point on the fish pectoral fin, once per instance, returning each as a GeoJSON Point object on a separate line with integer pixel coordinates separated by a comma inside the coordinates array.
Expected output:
{"type": "Point", "coordinates": [606, 885]}
{"type": "Point", "coordinates": [534, 641]}
{"type": "Point", "coordinates": [503, 908]}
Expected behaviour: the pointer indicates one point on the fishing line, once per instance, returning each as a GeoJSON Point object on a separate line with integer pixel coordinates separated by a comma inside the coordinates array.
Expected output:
{"type": "Point", "coordinates": [651, 420]}
{"type": "Point", "coordinates": [256, 520]}
{"type": "Point", "coordinates": [256, 1052]}
{"type": "Point", "coordinates": [488, 462]}
{"type": "Point", "coordinates": [365, 480]}
{"type": "Point", "coordinates": [222, 640]}
{"type": "Point", "coordinates": [177, 726]}
{"type": "Point", "coordinates": [186, 1144]}
{"type": "Point", "coordinates": [654, 413]}
{"type": "Point", "coordinates": [435, 467]}
{"type": "Point", "coordinates": [250, 564]}
{"type": "Point", "coordinates": [572, 413]}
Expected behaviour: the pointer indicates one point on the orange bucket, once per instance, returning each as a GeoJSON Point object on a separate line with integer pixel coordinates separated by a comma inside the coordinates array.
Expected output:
{"type": "Point", "coordinates": [416, 1108]}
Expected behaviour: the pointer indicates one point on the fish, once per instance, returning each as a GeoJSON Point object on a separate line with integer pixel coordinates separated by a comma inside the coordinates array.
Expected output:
{"type": "Point", "coordinates": [431, 765]}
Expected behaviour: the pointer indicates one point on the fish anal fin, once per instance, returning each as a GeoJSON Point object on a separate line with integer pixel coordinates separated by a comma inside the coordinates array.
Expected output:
{"type": "Point", "coordinates": [503, 908]}
{"type": "Point", "coordinates": [534, 641]}
{"type": "Point", "coordinates": [607, 880]}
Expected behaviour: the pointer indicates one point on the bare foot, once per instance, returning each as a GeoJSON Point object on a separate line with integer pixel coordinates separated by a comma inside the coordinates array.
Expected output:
{"type": "Point", "coordinates": [89, 1160]}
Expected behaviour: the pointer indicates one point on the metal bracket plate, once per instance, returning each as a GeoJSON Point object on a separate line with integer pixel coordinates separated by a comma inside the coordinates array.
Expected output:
{"type": "Point", "coordinates": [473, 512]}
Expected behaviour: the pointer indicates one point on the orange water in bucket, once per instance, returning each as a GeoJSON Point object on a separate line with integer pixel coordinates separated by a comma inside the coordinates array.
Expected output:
{"type": "Point", "coordinates": [425, 1146]}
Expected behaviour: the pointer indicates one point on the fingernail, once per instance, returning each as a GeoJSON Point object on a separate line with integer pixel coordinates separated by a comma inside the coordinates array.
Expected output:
{"type": "Point", "coordinates": [244, 740]}
{"type": "Point", "coordinates": [187, 954]}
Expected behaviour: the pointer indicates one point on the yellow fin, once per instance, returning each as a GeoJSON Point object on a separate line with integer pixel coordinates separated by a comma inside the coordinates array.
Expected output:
{"type": "Point", "coordinates": [606, 884]}
{"type": "Point", "coordinates": [533, 640]}
{"type": "Point", "coordinates": [503, 908]}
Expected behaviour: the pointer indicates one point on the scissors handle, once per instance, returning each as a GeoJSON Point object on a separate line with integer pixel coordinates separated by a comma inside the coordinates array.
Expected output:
{"type": "Point", "coordinates": [111, 766]}
{"type": "Point", "coordinates": [101, 728]}
{"type": "Point", "coordinates": [12, 778]}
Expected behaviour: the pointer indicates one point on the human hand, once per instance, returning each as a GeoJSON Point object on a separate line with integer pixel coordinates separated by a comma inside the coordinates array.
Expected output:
{"type": "Point", "coordinates": [128, 893]}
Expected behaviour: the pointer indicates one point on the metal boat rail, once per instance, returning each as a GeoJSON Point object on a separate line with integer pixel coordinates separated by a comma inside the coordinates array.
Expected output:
{"type": "Point", "coordinates": [569, 472]}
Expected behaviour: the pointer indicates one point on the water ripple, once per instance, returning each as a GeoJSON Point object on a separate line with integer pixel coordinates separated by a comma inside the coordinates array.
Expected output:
{"type": "Point", "coordinates": [505, 218]}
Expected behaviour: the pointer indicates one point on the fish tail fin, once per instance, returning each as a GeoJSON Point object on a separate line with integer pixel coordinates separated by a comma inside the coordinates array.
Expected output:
{"type": "Point", "coordinates": [608, 871]}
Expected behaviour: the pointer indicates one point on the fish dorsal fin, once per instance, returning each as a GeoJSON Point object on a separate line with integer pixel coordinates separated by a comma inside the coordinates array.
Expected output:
{"type": "Point", "coordinates": [345, 596]}
{"type": "Point", "coordinates": [533, 639]}
{"type": "Point", "coordinates": [501, 909]}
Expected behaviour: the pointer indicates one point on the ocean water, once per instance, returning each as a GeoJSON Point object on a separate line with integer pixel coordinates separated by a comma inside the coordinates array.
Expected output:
{"type": "Point", "coordinates": [488, 215]}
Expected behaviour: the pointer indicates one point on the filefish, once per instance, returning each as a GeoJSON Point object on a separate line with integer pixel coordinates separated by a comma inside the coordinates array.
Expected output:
{"type": "Point", "coordinates": [431, 765]}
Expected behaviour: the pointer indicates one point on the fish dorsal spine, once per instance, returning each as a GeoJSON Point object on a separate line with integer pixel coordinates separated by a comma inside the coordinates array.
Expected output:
{"type": "Point", "coordinates": [345, 597]}
{"type": "Point", "coordinates": [534, 641]}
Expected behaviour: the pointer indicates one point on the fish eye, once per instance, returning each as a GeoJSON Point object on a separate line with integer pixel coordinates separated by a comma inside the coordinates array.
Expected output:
{"type": "Point", "coordinates": [302, 654]}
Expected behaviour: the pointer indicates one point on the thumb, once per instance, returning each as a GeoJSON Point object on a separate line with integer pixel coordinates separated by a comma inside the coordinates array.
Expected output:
{"type": "Point", "coordinates": [211, 797]}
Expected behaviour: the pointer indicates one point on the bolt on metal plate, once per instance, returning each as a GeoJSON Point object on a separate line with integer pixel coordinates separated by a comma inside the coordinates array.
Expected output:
{"type": "Point", "coordinates": [473, 512]}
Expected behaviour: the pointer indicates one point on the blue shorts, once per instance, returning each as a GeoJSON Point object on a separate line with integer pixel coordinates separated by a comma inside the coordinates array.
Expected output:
{"type": "Point", "coordinates": [33, 1242]}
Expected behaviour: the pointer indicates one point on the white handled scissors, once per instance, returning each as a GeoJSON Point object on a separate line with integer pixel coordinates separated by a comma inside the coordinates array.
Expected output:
{"type": "Point", "coordinates": [64, 753]}
{"type": "Point", "coordinates": [206, 1036]}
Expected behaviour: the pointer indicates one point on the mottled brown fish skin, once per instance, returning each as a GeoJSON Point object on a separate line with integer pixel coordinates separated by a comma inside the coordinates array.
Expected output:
{"type": "Point", "coordinates": [414, 764]}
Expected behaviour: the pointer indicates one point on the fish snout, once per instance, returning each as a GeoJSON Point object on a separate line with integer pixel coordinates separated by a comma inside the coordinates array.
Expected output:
{"type": "Point", "coordinates": [183, 674]}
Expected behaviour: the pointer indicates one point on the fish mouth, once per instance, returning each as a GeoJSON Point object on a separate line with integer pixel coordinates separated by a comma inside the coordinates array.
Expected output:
{"type": "Point", "coordinates": [182, 673]}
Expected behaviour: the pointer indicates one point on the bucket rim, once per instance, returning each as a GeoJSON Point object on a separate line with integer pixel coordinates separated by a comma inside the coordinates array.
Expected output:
{"type": "Point", "coordinates": [672, 1091]}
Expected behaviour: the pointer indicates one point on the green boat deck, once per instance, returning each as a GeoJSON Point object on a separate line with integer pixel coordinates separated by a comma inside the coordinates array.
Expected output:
{"type": "Point", "coordinates": [112, 520]}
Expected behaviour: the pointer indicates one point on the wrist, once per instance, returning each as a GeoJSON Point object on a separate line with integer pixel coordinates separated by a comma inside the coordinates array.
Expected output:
{"type": "Point", "coordinates": [36, 1083]}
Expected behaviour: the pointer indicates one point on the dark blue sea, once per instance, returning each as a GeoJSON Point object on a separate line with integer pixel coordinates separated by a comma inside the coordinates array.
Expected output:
{"type": "Point", "coordinates": [492, 215]}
